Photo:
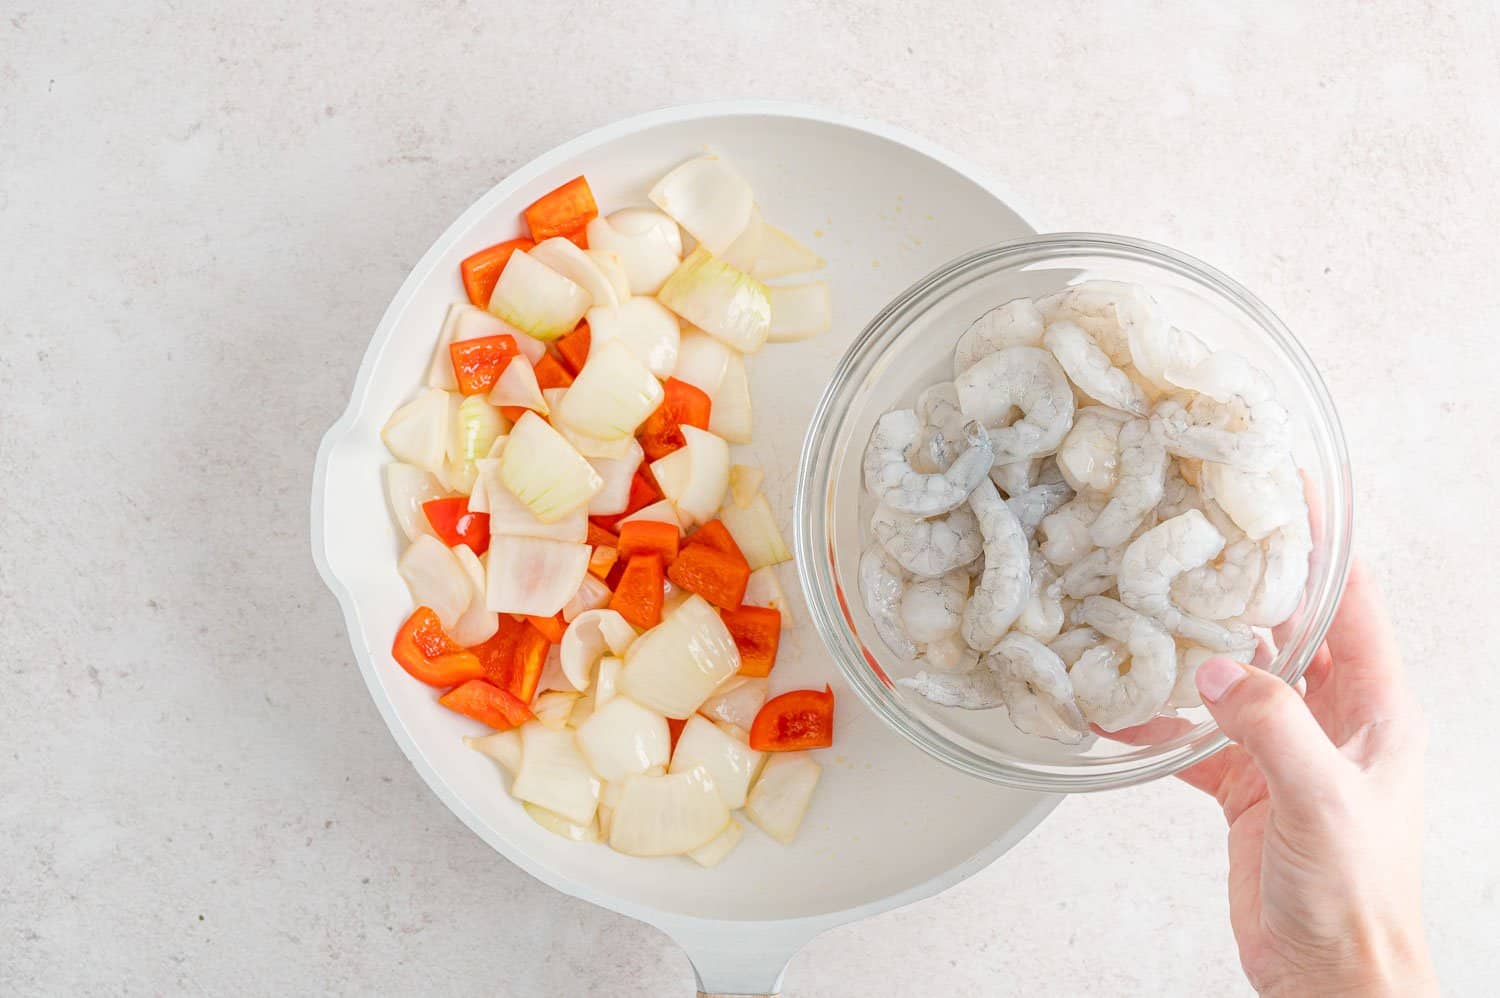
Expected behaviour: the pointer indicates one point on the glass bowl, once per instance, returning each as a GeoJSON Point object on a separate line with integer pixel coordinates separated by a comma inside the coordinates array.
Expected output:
{"type": "Point", "coordinates": [909, 346]}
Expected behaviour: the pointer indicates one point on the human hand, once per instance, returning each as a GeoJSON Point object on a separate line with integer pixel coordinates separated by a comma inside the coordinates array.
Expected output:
{"type": "Point", "coordinates": [1323, 795]}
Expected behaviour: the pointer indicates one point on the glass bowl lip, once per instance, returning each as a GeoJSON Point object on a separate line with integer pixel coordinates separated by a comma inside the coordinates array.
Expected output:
{"type": "Point", "coordinates": [814, 552]}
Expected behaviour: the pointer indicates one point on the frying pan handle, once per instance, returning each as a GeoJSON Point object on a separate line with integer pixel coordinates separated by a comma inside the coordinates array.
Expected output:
{"type": "Point", "coordinates": [740, 961]}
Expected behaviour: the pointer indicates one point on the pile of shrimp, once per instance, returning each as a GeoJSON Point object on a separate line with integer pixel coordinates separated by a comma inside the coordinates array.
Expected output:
{"type": "Point", "coordinates": [1095, 504]}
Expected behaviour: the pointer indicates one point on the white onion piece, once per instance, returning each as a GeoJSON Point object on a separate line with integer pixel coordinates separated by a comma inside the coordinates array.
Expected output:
{"type": "Point", "coordinates": [754, 529]}
{"type": "Point", "coordinates": [546, 472]}
{"type": "Point", "coordinates": [707, 198]}
{"type": "Point", "coordinates": [729, 415]}
{"type": "Point", "coordinates": [536, 299]}
{"type": "Point", "coordinates": [478, 623]}
{"type": "Point", "coordinates": [552, 677]}
{"type": "Point", "coordinates": [647, 243]}
{"type": "Point", "coordinates": [417, 433]}
{"type": "Point", "coordinates": [744, 483]}
{"type": "Point", "coordinates": [617, 474]}
{"type": "Point", "coordinates": [666, 815]}
{"type": "Point", "coordinates": [408, 487]}
{"type": "Point", "coordinates": [695, 477]}
{"type": "Point", "coordinates": [661, 511]}
{"type": "Point", "coordinates": [555, 775]}
{"type": "Point", "coordinates": [737, 701]}
{"type": "Point", "coordinates": [745, 250]}
{"type": "Point", "coordinates": [764, 589]}
{"type": "Point", "coordinates": [712, 852]}
{"type": "Point", "coordinates": [642, 324]}
{"type": "Point", "coordinates": [553, 397]}
{"type": "Point", "coordinates": [612, 395]}
{"type": "Point", "coordinates": [585, 640]}
{"type": "Point", "coordinates": [720, 300]}
{"type": "Point", "coordinates": [623, 738]}
{"type": "Point", "coordinates": [564, 256]}
{"type": "Point", "coordinates": [672, 597]}
{"type": "Point", "coordinates": [778, 801]}
{"type": "Point", "coordinates": [465, 322]}
{"type": "Point", "coordinates": [591, 595]}
{"type": "Point", "coordinates": [474, 425]}
{"type": "Point", "coordinates": [510, 516]}
{"type": "Point", "coordinates": [517, 386]}
{"type": "Point", "coordinates": [777, 254]}
{"type": "Point", "coordinates": [553, 708]}
{"type": "Point", "coordinates": [677, 664]}
{"type": "Point", "coordinates": [503, 746]}
{"type": "Point", "coordinates": [731, 763]}
{"type": "Point", "coordinates": [607, 680]}
{"type": "Point", "coordinates": [613, 269]}
{"type": "Point", "coordinates": [532, 575]}
{"type": "Point", "coordinates": [592, 447]}
{"type": "Point", "coordinates": [701, 360]}
{"type": "Point", "coordinates": [799, 311]}
{"type": "Point", "coordinates": [435, 578]}
{"type": "Point", "coordinates": [486, 468]}
{"type": "Point", "coordinates": [558, 825]}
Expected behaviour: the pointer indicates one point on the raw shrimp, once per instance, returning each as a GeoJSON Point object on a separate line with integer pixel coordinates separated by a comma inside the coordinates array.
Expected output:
{"type": "Point", "coordinates": [1178, 494]}
{"type": "Point", "coordinates": [1091, 369]}
{"type": "Point", "coordinates": [1094, 573]}
{"type": "Point", "coordinates": [1071, 644]}
{"type": "Point", "coordinates": [1037, 691]}
{"type": "Point", "coordinates": [1287, 550]}
{"type": "Point", "coordinates": [1065, 533]}
{"type": "Point", "coordinates": [1026, 378]}
{"type": "Point", "coordinates": [929, 548]}
{"type": "Point", "coordinates": [1158, 557]}
{"type": "Point", "coordinates": [1017, 323]}
{"type": "Point", "coordinates": [1042, 615]}
{"type": "Point", "coordinates": [1005, 584]}
{"type": "Point", "coordinates": [1089, 456]}
{"type": "Point", "coordinates": [1107, 310]}
{"type": "Point", "coordinates": [1222, 588]}
{"type": "Point", "coordinates": [1258, 502]}
{"type": "Point", "coordinates": [976, 689]}
{"type": "Point", "coordinates": [1109, 699]}
{"type": "Point", "coordinates": [950, 654]}
{"type": "Point", "coordinates": [1157, 347]}
{"type": "Point", "coordinates": [1016, 477]}
{"type": "Point", "coordinates": [1247, 428]}
{"type": "Point", "coordinates": [881, 582]}
{"type": "Point", "coordinates": [932, 608]}
{"type": "Point", "coordinates": [891, 479]}
{"type": "Point", "coordinates": [937, 407]}
{"type": "Point", "coordinates": [1189, 657]}
{"type": "Point", "coordinates": [1142, 478]}
{"type": "Point", "coordinates": [1037, 503]}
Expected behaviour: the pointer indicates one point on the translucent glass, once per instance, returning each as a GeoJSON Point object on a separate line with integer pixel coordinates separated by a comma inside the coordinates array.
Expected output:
{"type": "Point", "coordinates": [908, 346]}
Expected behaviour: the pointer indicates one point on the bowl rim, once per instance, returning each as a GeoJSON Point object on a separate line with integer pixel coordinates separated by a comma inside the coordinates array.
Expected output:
{"type": "Point", "coordinates": [815, 555]}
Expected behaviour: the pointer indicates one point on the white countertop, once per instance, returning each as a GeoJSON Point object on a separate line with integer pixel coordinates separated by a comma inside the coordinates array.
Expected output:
{"type": "Point", "coordinates": [203, 217]}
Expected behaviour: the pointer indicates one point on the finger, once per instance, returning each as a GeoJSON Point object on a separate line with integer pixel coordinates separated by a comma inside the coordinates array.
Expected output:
{"type": "Point", "coordinates": [1206, 775]}
{"type": "Point", "coordinates": [1318, 670]}
{"type": "Point", "coordinates": [1282, 631]}
{"type": "Point", "coordinates": [1365, 658]}
{"type": "Point", "coordinates": [1273, 725]}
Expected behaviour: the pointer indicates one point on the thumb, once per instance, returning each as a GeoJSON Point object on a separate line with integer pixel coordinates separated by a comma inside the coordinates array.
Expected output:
{"type": "Point", "coordinates": [1267, 719]}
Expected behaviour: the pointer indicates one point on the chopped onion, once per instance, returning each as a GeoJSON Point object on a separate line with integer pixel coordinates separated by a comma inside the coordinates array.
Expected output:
{"type": "Point", "coordinates": [647, 243]}
{"type": "Point", "coordinates": [555, 775]}
{"type": "Point", "coordinates": [677, 664]}
{"type": "Point", "coordinates": [659, 512]}
{"type": "Point", "coordinates": [510, 516]}
{"type": "Point", "coordinates": [612, 395]}
{"type": "Point", "coordinates": [585, 640]}
{"type": "Point", "coordinates": [537, 299]}
{"type": "Point", "coordinates": [764, 589]}
{"type": "Point", "coordinates": [701, 360]}
{"type": "Point", "coordinates": [476, 425]}
{"type": "Point", "coordinates": [744, 483]}
{"type": "Point", "coordinates": [417, 433]}
{"type": "Point", "coordinates": [532, 575]}
{"type": "Point", "coordinates": [799, 311]}
{"type": "Point", "coordinates": [552, 674]}
{"type": "Point", "coordinates": [779, 255]}
{"type": "Point", "coordinates": [642, 324]}
{"type": "Point", "coordinates": [731, 763]}
{"type": "Point", "coordinates": [624, 738]}
{"type": "Point", "coordinates": [583, 709]}
{"type": "Point", "coordinates": [558, 825]}
{"type": "Point", "coordinates": [479, 499]}
{"type": "Point", "coordinates": [464, 322]}
{"type": "Point", "coordinates": [666, 815]}
{"type": "Point", "coordinates": [408, 487]}
{"type": "Point", "coordinates": [745, 250]}
{"type": "Point", "coordinates": [707, 198]}
{"type": "Point", "coordinates": [607, 679]}
{"type": "Point", "coordinates": [729, 415]}
{"type": "Point", "coordinates": [435, 578]}
{"type": "Point", "coordinates": [754, 530]}
{"type": "Point", "coordinates": [613, 269]}
{"type": "Point", "coordinates": [564, 256]}
{"type": "Point", "coordinates": [503, 746]}
{"type": "Point", "coordinates": [737, 701]}
{"type": "Point", "coordinates": [695, 477]}
{"type": "Point", "coordinates": [591, 595]}
{"type": "Point", "coordinates": [553, 708]}
{"type": "Point", "coordinates": [592, 447]}
{"type": "Point", "coordinates": [553, 397]}
{"type": "Point", "coordinates": [779, 799]}
{"type": "Point", "coordinates": [517, 386]}
{"type": "Point", "coordinates": [617, 474]}
{"type": "Point", "coordinates": [478, 623]}
{"type": "Point", "coordinates": [720, 300]}
{"type": "Point", "coordinates": [710, 853]}
{"type": "Point", "coordinates": [545, 472]}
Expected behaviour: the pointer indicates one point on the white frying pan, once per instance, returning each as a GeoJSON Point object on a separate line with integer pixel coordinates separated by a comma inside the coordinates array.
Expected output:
{"type": "Point", "coordinates": [888, 825]}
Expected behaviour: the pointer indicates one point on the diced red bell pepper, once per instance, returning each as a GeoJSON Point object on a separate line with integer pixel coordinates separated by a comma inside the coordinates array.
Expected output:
{"type": "Point", "coordinates": [639, 595]}
{"type": "Point", "coordinates": [602, 561]}
{"type": "Point", "coordinates": [718, 577]}
{"type": "Point", "coordinates": [757, 633]}
{"type": "Point", "coordinates": [649, 537]}
{"type": "Point", "coordinates": [642, 494]}
{"type": "Point", "coordinates": [801, 719]}
{"type": "Point", "coordinates": [551, 627]}
{"type": "Point", "coordinates": [717, 536]}
{"type": "Point", "coordinates": [600, 537]}
{"type": "Point", "coordinates": [551, 374]}
{"type": "Point", "coordinates": [682, 405]}
{"type": "Point", "coordinates": [574, 348]}
{"type": "Point", "coordinates": [478, 364]}
{"type": "Point", "coordinates": [563, 211]}
{"type": "Point", "coordinates": [454, 524]}
{"type": "Point", "coordinates": [513, 658]}
{"type": "Point", "coordinates": [674, 731]}
{"type": "Point", "coordinates": [487, 704]}
{"type": "Point", "coordinates": [482, 270]}
{"type": "Point", "coordinates": [426, 651]}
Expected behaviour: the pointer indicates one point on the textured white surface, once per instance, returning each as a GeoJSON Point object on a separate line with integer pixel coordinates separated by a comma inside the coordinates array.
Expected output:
{"type": "Point", "coordinates": [204, 215]}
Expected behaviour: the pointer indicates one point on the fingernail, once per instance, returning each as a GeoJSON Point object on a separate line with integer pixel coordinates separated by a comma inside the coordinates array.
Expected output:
{"type": "Point", "coordinates": [1217, 677]}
